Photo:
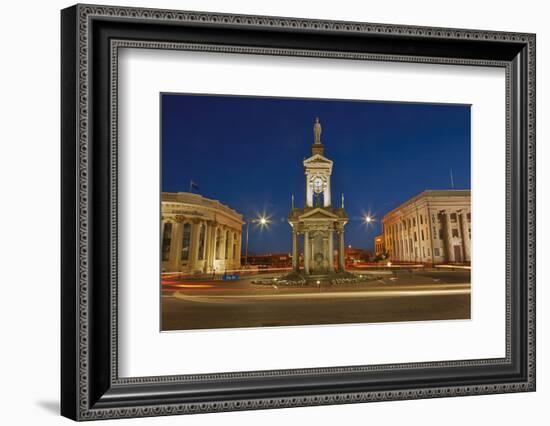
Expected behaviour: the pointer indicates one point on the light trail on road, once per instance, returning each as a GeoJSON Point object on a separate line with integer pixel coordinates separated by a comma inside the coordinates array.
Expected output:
{"type": "Point", "coordinates": [418, 291]}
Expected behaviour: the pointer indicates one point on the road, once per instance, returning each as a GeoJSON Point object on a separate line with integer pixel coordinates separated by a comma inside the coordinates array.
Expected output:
{"type": "Point", "coordinates": [402, 296]}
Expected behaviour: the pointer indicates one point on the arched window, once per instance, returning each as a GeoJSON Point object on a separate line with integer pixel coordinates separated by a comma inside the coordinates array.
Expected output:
{"type": "Point", "coordinates": [185, 241]}
{"type": "Point", "coordinates": [202, 238]}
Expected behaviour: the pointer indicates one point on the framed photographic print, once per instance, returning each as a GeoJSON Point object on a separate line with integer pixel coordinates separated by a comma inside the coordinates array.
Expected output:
{"type": "Point", "coordinates": [263, 212]}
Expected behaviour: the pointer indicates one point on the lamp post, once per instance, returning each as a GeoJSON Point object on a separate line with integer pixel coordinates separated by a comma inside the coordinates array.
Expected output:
{"type": "Point", "coordinates": [263, 222]}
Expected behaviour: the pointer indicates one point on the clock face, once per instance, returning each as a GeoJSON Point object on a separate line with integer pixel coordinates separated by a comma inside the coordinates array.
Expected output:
{"type": "Point", "coordinates": [318, 184]}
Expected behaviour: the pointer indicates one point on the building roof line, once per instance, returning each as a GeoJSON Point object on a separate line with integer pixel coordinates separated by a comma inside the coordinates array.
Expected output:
{"type": "Point", "coordinates": [431, 193]}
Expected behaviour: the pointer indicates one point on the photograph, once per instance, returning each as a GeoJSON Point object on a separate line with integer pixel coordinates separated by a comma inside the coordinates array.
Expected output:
{"type": "Point", "coordinates": [307, 211]}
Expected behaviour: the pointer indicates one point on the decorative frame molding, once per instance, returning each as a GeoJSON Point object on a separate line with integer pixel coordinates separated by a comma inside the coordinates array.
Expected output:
{"type": "Point", "coordinates": [91, 37]}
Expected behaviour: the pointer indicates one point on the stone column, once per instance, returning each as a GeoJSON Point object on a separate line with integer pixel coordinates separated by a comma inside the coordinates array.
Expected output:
{"type": "Point", "coordinates": [194, 245]}
{"type": "Point", "coordinates": [229, 263]}
{"type": "Point", "coordinates": [175, 250]}
{"type": "Point", "coordinates": [222, 249]}
{"type": "Point", "coordinates": [295, 264]}
{"type": "Point", "coordinates": [466, 239]}
{"type": "Point", "coordinates": [463, 234]}
{"type": "Point", "coordinates": [448, 240]}
{"type": "Point", "coordinates": [341, 249]}
{"type": "Point", "coordinates": [213, 230]}
{"type": "Point", "coordinates": [307, 248]}
{"type": "Point", "coordinates": [326, 195]}
{"type": "Point", "coordinates": [309, 193]}
{"type": "Point", "coordinates": [331, 251]}
{"type": "Point", "coordinates": [430, 235]}
{"type": "Point", "coordinates": [239, 249]}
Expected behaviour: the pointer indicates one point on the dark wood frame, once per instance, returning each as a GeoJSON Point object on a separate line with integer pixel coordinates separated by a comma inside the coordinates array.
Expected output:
{"type": "Point", "coordinates": [90, 386]}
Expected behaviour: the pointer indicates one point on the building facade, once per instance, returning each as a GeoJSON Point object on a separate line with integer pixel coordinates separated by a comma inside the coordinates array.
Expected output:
{"type": "Point", "coordinates": [318, 221]}
{"type": "Point", "coordinates": [379, 247]}
{"type": "Point", "coordinates": [432, 227]}
{"type": "Point", "coordinates": [199, 235]}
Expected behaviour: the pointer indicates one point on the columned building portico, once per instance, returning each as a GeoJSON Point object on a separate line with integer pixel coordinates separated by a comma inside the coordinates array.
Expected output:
{"type": "Point", "coordinates": [432, 227]}
{"type": "Point", "coordinates": [199, 235]}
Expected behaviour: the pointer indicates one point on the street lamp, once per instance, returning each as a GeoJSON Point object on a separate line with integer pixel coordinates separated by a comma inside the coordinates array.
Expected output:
{"type": "Point", "coordinates": [368, 219]}
{"type": "Point", "coordinates": [262, 221]}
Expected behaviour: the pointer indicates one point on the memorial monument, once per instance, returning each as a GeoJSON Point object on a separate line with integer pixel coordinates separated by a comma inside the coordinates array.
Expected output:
{"type": "Point", "coordinates": [319, 222]}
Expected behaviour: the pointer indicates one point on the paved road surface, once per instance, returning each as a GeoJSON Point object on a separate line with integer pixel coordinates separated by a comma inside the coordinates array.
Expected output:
{"type": "Point", "coordinates": [422, 295]}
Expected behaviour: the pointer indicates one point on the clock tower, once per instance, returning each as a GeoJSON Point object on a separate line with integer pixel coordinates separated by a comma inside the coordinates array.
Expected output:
{"type": "Point", "coordinates": [319, 222]}
{"type": "Point", "coordinates": [318, 170]}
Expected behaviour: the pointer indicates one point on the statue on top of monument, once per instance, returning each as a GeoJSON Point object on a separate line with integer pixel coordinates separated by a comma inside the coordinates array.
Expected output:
{"type": "Point", "coordinates": [317, 131]}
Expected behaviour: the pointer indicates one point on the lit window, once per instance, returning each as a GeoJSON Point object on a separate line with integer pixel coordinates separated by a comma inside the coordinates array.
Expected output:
{"type": "Point", "coordinates": [166, 241]}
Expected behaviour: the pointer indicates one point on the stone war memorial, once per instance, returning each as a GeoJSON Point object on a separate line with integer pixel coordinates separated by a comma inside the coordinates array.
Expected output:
{"type": "Point", "coordinates": [319, 224]}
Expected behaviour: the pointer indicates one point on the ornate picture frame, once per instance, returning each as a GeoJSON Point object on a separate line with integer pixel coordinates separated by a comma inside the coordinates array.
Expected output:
{"type": "Point", "coordinates": [90, 39]}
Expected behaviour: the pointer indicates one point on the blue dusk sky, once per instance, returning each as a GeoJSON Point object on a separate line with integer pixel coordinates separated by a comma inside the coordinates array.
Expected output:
{"type": "Point", "coordinates": [247, 152]}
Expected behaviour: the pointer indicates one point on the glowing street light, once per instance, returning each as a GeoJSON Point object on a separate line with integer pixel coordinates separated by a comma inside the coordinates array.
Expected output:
{"type": "Point", "coordinates": [368, 219]}
{"type": "Point", "coordinates": [262, 221]}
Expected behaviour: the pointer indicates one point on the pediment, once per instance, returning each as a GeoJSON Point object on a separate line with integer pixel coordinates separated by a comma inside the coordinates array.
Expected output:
{"type": "Point", "coordinates": [317, 159]}
{"type": "Point", "coordinates": [318, 213]}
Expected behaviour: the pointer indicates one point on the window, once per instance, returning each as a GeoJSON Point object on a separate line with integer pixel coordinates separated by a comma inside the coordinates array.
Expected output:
{"type": "Point", "coordinates": [235, 251]}
{"type": "Point", "coordinates": [423, 252]}
{"type": "Point", "coordinates": [422, 234]}
{"type": "Point", "coordinates": [414, 221]}
{"type": "Point", "coordinates": [470, 233]}
{"type": "Point", "coordinates": [453, 217]}
{"type": "Point", "coordinates": [436, 252]}
{"type": "Point", "coordinates": [435, 233]}
{"type": "Point", "coordinates": [421, 221]}
{"type": "Point", "coordinates": [469, 217]}
{"type": "Point", "coordinates": [454, 232]}
{"type": "Point", "coordinates": [185, 240]}
{"type": "Point", "coordinates": [440, 233]}
{"type": "Point", "coordinates": [415, 239]}
{"type": "Point", "coordinates": [202, 238]}
{"type": "Point", "coordinates": [433, 218]}
{"type": "Point", "coordinates": [166, 241]}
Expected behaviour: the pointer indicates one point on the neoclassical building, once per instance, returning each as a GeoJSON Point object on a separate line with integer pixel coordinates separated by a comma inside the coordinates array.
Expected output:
{"type": "Point", "coordinates": [319, 222]}
{"type": "Point", "coordinates": [199, 235]}
{"type": "Point", "coordinates": [432, 227]}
